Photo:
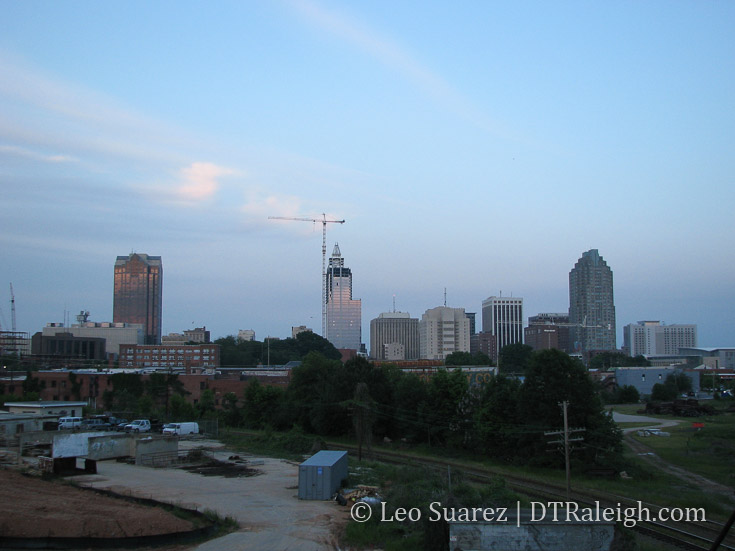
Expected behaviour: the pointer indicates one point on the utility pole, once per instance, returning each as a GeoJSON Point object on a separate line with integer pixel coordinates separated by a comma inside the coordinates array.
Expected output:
{"type": "Point", "coordinates": [566, 432]}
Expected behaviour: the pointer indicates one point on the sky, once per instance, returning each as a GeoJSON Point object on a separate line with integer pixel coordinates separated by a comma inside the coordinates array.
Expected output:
{"type": "Point", "coordinates": [479, 147]}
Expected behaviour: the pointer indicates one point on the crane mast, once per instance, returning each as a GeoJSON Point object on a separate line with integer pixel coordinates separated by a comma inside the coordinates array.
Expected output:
{"type": "Point", "coordinates": [324, 223]}
{"type": "Point", "coordinates": [12, 307]}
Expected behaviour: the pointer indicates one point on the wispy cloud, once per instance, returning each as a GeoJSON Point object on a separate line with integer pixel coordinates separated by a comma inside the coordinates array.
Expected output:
{"type": "Point", "coordinates": [393, 55]}
{"type": "Point", "coordinates": [260, 204]}
{"type": "Point", "coordinates": [49, 113]}
{"type": "Point", "coordinates": [18, 151]}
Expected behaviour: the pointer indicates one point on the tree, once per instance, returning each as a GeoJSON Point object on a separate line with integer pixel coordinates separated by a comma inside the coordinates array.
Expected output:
{"type": "Point", "coordinates": [76, 386]}
{"type": "Point", "coordinates": [465, 358]}
{"type": "Point", "coordinates": [495, 419]}
{"type": "Point", "coordinates": [675, 384]}
{"type": "Point", "coordinates": [262, 406]}
{"type": "Point", "coordinates": [405, 415]}
{"type": "Point", "coordinates": [628, 394]}
{"type": "Point", "coordinates": [362, 417]}
{"type": "Point", "coordinates": [31, 384]}
{"type": "Point", "coordinates": [206, 402]}
{"type": "Point", "coordinates": [514, 358]}
{"type": "Point", "coordinates": [553, 377]}
{"type": "Point", "coordinates": [445, 416]}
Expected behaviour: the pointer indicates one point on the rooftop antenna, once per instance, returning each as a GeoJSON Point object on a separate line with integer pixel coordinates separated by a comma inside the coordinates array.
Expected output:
{"type": "Point", "coordinates": [394, 304]}
{"type": "Point", "coordinates": [445, 297]}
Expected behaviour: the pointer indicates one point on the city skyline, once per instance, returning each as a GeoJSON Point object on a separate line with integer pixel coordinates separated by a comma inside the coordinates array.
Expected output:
{"type": "Point", "coordinates": [478, 147]}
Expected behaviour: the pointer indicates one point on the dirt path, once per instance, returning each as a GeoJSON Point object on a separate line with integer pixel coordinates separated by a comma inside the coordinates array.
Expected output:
{"type": "Point", "coordinates": [648, 454]}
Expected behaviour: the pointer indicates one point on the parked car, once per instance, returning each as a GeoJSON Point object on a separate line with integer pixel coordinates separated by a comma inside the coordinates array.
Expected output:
{"type": "Point", "coordinates": [121, 424]}
{"type": "Point", "coordinates": [167, 426]}
{"type": "Point", "coordinates": [95, 424]}
{"type": "Point", "coordinates": [66, 423]}
{"type": "Point", "coordinates": [139, 425]}
{"type": "Point", "coordinates": [181, 429]}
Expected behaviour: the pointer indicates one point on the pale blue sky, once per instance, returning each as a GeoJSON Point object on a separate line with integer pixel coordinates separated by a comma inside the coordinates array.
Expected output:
{"type": "Point", "coordinates": [477, 146]}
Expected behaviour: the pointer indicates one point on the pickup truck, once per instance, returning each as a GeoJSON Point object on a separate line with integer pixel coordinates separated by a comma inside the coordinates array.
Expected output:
{"type": "Point", "coordinates": [139, 425]}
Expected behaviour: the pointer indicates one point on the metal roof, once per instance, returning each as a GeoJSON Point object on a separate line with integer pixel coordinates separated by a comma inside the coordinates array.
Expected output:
{"type": "Point", "coordinates": [324, 458]}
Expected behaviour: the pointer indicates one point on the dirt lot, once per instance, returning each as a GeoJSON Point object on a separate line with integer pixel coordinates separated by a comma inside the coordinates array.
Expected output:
{"type": "Point", "coordinates": [32, 507]}
{"type": "Point", "coordinates": [266, 506]}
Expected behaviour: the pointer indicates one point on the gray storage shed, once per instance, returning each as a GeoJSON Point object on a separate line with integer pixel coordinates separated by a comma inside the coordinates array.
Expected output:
{"type": "Point", "coordinates": [321, 475]}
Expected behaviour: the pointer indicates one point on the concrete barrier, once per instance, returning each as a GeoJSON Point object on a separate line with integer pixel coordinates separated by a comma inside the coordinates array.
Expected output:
{"type": "Point", "coordinates": [528, 535]}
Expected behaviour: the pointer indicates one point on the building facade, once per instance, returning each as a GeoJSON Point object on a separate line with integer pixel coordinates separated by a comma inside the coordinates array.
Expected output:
{"type": "Point", "coordinates": [502, 317]}
{"type": "Point", "coordinates": [656, 338]}
{"type": "Point", "coordinates": [169, 356]}
{"type": "Point", "coordinates": [712, 358]}
{"type": "Point", "coordinates": [66, 348]}
{"type": "Point", "coordinates": [114, 334]}
{"type": "Point", "coordinates": [198, 335]}
{"type": "Point", "coordinates": [394, 328]}
{"type": "Point", "coordinates": [344, 314]}
{"type": "Point", "coordinates": [442, 331]}
{"type": "Point", "coordinates": [246, 335]}
{"type": "Point", "coordinates": [548, 330]}
{"type": "Point", "coordinates": [139, 293]}
{"type": "Point", "coordinates": [591, 304]}
{"type": "Point", "coordinates": [299, 329]}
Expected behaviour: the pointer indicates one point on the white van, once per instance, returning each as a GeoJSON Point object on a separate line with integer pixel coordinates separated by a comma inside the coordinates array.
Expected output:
{"type": "Point", "coordinates": [70, 423]}
{"type": "Point", "coordinates": [182, 428]}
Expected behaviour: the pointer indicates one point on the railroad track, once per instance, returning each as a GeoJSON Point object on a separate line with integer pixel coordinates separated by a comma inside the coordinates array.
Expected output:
{"type": "Point", "coordinates": [692, 536]}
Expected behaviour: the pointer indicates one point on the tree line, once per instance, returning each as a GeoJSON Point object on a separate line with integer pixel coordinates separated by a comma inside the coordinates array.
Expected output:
{"type": "Point", "coordinates": [504, 418]}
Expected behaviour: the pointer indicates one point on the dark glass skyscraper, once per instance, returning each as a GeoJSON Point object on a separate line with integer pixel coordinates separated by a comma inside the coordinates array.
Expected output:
{"type": "Point", "coordinates": [138, 293]}
{"type": "Point", "coordinates": [591, 304]}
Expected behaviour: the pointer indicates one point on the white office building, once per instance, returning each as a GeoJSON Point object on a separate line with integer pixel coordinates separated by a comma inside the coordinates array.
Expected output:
{"type": "Point", "coordinates": [443, 330]}
{"type": "Point", "coordinates": [656, 338]}
{"type": "Point", "coordinates": [502, 317]}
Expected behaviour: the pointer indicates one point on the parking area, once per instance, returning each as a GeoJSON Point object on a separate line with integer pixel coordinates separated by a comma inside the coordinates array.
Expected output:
{"type": "Point", "coordinates": [266, 505]}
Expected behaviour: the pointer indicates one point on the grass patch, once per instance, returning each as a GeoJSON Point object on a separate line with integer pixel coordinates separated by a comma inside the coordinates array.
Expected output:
{"type": "Point", "coordinates": [292, 445]}
{"type": "Point", "coordinates": [708, 451]}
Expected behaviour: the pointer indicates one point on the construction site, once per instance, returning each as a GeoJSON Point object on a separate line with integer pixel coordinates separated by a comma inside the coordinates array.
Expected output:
{"type": "Point", "coordinates": [113, 491]}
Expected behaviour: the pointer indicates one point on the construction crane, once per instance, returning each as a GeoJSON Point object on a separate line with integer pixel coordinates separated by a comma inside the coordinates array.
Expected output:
{"type": "Point", "coordinates": [12, 307]}
{"type": "Point", "coordinates": [324, 223]}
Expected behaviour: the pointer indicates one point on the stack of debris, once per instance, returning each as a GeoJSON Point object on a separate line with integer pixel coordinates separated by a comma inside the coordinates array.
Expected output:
{"type": "Point", "coordinates": [368, 494]}
{"type": "Point", "coordinates": [684, 408]}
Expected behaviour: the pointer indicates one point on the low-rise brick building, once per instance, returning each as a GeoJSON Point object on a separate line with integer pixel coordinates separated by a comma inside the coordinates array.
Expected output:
{"type": "Point", "coordinates": [169, 356]}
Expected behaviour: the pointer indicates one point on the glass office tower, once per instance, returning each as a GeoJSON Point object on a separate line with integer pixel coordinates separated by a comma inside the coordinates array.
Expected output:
{"type": "Point", "coordinates": [344, 314]}
{"type": "Point", "coordinates": [138, 293]}
{"type": "Point", "coordinates": [591, 304]}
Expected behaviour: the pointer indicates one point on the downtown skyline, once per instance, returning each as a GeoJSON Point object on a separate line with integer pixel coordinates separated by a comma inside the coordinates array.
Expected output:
{"type": "Point", "coordinates": [479, 148]}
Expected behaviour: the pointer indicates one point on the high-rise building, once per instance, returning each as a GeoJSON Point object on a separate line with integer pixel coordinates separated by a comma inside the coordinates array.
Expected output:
{"type": "Point", "coordinates": [138, 293]}
{"type": "Point", "coordinates": [344, 314]}
{"type": "Point", "coordinates": [548, 330]}
{"type": "Point", "coordinates": [654, 337]}
{"type": "Point", "coordinates": [443, 330]}
{"type": "Point", "coordinates": [246, 335]}
{"type": "Point", "coordinates": [394, 328]}
{"type": "Point", "coordinates": [472, 316]}
{"type": "Point", "coordinates": [591, 304]}
{"type": "Point", "coordinates": [502, 317]}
